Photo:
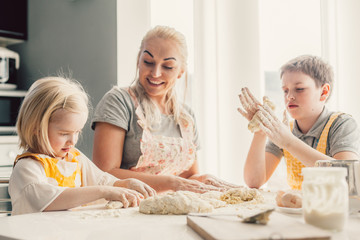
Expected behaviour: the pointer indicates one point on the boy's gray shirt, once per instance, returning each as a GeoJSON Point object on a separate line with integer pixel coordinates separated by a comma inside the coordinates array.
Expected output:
{"type": "Point", "coordinates": [117, 108]}
{"type": "Point", "coordinates": [344, 135]}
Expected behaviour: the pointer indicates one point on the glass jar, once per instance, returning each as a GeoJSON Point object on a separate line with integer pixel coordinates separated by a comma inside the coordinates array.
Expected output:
{"type": "Point", "coordinates": [325, 197]}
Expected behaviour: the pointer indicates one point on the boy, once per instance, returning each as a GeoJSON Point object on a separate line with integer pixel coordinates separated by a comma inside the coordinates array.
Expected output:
{"type": "Point", "coordinates": [316, 133]}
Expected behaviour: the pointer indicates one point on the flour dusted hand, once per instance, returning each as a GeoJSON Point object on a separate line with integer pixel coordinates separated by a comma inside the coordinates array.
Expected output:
{"type": "Point", "coordinates": [128, 197]}
{"type": "Point", "coordinates": [254, 124]}
{"type": "Point", "coordinates": [139, 186]}
{"type": "Point", "coordinates": [249, 104]}
{"type": "Point", "coordinates": [214, 181]}
{"type": "Point", "coordinates": [193, 185]}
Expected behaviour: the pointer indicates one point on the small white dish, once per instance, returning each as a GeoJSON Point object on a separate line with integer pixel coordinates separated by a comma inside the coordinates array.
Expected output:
{"type": "Point", "coordinates": [289, 210]}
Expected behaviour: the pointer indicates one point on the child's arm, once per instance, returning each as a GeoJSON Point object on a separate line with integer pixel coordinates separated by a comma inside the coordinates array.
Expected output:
{"type": "Point", "coordinates": [259, 165]}
{"type": "Point", "coordinates": [92, 175]}
{"type": "Point", "coordinates": [280, 135]}
{"type": "Point", "coordinates": [73, 197]}
{"type": "Point", "coordinates": [136, 185]}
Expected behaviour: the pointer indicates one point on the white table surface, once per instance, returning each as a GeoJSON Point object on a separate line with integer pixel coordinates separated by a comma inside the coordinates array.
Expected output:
{"type": "Point", "coordinates": [94, 222]}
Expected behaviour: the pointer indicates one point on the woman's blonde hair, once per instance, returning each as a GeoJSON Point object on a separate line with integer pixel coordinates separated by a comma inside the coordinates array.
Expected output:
{"type": "Point", "coordinates": [44, 97]}
{"type": "Point", "coordinates": [172, 105]}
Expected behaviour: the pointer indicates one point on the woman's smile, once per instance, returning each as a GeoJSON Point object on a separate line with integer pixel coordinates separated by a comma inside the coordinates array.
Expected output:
{"type": "Point", "coordinates": [154, 82]}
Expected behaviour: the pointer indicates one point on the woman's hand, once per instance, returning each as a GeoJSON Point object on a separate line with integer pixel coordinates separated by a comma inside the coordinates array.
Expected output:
{"type": "Point", "coordinates": [250, 104]}
{"type": "Point", "coordinates": [214, 181]}
{"type": "Point", "coordinates": [136, 185]}
{"type": "Point", "coordinates": [183, 184]}
{"type": "Point", "coordinates": [278, 132]}
{"type": "Point", "coordinates": [128, 197]}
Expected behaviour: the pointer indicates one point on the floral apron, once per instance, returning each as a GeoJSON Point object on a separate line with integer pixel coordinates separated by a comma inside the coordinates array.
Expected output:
{"type": "Point", "coordinates": [162, 155]}
{"type": "Point", "coordinates": [63, 173]}
{"type": "Point", "coordinates": [294, 166]}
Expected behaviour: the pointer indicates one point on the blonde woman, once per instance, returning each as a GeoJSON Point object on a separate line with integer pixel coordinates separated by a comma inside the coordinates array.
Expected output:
{"type": "Point", "coordinates": [143, 131]}
{"type": "Point", "coordinates": [52, 174]}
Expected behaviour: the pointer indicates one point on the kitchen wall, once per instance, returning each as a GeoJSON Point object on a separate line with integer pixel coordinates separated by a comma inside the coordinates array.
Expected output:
{"type": "Point", "coordinates": [77, 36]}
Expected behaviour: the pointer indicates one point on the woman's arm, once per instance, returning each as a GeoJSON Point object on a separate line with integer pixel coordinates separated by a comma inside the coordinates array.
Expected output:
{"type": "Point", "coordinates": [107, 155]}
{"type": "Point", "coordinates": [108, 152]}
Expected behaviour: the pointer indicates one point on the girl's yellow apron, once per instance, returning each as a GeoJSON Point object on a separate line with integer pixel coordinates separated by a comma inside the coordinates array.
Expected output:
{"type": "Point", "coordinates": [66, 173]}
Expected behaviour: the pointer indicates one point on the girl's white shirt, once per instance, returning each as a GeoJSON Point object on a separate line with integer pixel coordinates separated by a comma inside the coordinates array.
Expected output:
{"type": "Point", "coordinates": [32, 191]}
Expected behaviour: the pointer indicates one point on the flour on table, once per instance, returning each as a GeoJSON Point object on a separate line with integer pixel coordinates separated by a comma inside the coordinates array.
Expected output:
{"type": "Point", "coordinates": [180, 202]}
{"type": "Point", "coordinates": [114, 205]}
{"type": "Point", "coordinates": [108, 213]}
{"type": "Point", "coordinates": [241, 195]}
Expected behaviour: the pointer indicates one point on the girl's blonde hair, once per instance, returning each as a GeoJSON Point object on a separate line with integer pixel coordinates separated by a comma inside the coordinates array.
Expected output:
{"type": "Point", "coordinates": [44, 97]}
{"type": "Point", "coordinates": [172, 105]}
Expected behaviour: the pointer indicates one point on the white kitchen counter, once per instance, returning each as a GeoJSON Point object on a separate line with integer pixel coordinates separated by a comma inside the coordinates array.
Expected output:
{"type": "Point", "coordinates": [94, 222]}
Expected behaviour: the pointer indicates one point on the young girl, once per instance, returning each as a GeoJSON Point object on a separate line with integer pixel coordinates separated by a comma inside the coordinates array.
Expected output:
{"type": "Point", "coordinates": [52, 174]}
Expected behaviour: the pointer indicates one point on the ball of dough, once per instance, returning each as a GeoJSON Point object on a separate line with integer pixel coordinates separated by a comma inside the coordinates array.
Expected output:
{"type": "Point", "coordinates": [289, 199]}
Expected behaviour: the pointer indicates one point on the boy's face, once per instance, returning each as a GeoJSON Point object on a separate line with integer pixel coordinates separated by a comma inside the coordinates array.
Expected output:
{"type": "Point", "coordinates": [303, 99]}
{"type": "Point", "coordinates": [63, 131]}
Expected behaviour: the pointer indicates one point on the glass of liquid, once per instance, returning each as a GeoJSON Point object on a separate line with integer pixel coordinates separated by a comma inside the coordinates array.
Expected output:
{"type": "Point", "coordinates": [325, 197]}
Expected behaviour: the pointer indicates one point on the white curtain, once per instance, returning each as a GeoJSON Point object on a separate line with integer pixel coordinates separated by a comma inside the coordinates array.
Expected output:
{"type": "Point", "coordinates": [227, 58]}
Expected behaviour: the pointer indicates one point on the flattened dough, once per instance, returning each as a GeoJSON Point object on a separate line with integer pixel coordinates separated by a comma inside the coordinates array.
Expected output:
{"type": "Point", "coordinates": [181, 202]}
{"type": "Point", "coordinates": [242, 194]}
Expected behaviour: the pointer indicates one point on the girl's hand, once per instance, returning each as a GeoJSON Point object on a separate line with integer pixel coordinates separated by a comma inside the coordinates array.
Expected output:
{"type": "Point", "coordinates": [138, 186]}
{"type": "Point", "coordinates": [183, 184]}
{"type": "Point", "coordinates": [214, 181]}
{"type": "Point", "coordinates": [128, 197]}
{"type": "Point", "coordinates": [250, 104]}
{"type": "Point", "coordinates": [278, 132]}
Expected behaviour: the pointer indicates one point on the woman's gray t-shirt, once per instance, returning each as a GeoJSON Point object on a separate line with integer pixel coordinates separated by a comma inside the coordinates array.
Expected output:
{"type": "Point", "coordinates": [117, 108]}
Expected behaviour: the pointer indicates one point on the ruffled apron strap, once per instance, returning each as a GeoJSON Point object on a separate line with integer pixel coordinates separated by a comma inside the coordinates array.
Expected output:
{"type": "Point", "coordinates": [138, 109]}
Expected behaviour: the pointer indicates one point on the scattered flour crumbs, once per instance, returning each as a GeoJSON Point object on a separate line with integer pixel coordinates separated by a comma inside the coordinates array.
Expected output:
{"type": "Point", "coordinates": [242, 200]}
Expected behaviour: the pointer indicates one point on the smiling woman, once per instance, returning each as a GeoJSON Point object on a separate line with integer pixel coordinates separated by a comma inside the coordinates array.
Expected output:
{"type": "Point", "coordinates": [143, 131]}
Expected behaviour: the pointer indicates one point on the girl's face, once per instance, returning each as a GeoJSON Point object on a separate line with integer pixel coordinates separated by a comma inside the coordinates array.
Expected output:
{"type": "Point", "coordinates": [159, 67]}
{"type": "Point", "coordinates": [303, 99]}
{"type": "Point", "coordinates": [64, 129]}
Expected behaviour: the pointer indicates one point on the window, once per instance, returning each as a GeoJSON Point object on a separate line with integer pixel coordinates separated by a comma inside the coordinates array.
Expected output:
{"type": "Point", "coordinates": [287, 29]}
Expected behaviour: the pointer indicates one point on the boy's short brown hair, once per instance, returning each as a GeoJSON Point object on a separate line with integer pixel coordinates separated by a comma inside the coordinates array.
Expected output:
{"type": "Point", "coordinates": [312, 66]}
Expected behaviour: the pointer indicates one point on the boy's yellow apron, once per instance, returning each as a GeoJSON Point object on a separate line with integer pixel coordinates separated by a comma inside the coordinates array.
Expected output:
{"type": "Point", "coordinates": [54, 171]}
{"type": "Point", "coordinates": [294, 166]}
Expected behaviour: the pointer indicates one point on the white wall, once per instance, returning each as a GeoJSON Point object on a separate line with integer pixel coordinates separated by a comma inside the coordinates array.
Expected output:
{"type": "Point", "coordinates": [348, 52]}
{"type": "Point", "coordinates": [133, 21]}
{"type": "Point", "coordinates": [227, 58]}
